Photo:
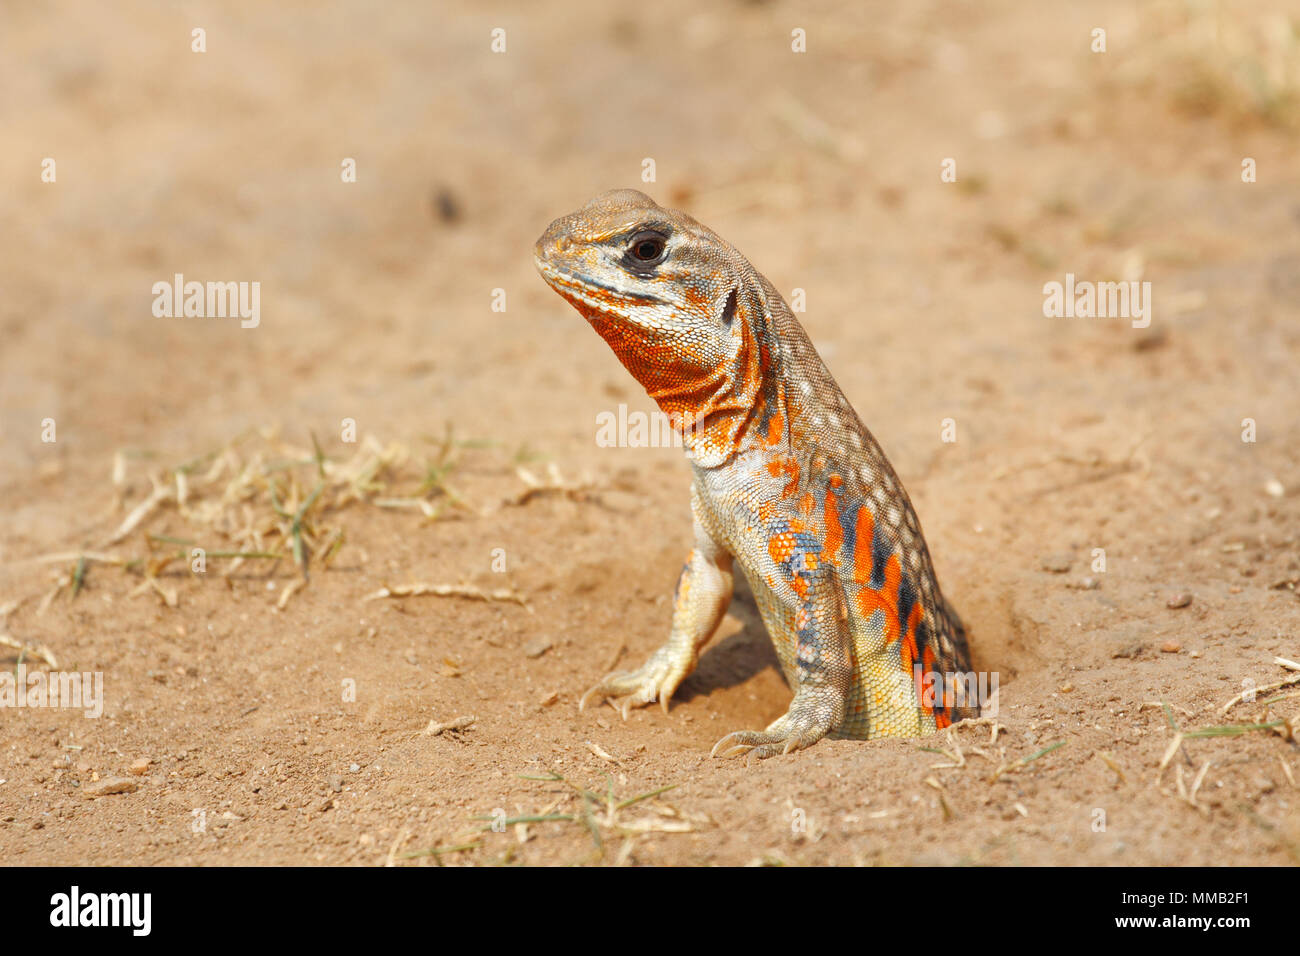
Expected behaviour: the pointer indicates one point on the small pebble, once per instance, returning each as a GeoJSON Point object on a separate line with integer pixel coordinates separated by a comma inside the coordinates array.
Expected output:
{"type": "Point", "coordinates": [111, 785]}
{"type": "Point", "coordinates": [140, 767]}
{"type": "Point", "coordinates": [1274, 488]}
{"type": "Point", "coordinates": [1057, 563]}
{"type": "Point", "coordinates": [1181, 599]}
{"type": "Point", "coordinates": [336, 783]}
{"type": "Point", "coordinates": [354, 768]}
{"type": "Point", "coordinates": [538, 646]}
{"type": "Point", "coordinates": [1171, 647]}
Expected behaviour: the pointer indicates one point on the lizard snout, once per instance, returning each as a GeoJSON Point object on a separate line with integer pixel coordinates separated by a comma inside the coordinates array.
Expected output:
{"type": "Point", "coordinates": [553, 243]}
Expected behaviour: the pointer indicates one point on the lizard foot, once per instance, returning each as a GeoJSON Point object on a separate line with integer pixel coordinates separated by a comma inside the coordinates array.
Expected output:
{"type": "Point", "coordinates": [808, 721]}
{"type": "Point", "coordinates": [656, 679]}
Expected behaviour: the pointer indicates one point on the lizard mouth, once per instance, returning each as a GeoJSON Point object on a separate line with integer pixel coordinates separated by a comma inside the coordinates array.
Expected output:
{"type": "Point", "coordinates": [592, 292]}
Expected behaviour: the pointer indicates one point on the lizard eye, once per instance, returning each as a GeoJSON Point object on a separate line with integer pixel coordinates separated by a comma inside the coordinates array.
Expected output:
{"type": "Point", "coordinates": [647, 248]}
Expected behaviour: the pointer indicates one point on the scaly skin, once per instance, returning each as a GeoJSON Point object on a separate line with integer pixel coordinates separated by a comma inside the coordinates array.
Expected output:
{"type": "Point", "coordinates": [788, 483]}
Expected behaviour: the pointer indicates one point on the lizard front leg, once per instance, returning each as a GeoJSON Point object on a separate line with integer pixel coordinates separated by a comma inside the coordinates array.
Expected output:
{"type": "Point", "coordinates": [703, 593]}
{"type": "Point", "coordinates": [823, 668]}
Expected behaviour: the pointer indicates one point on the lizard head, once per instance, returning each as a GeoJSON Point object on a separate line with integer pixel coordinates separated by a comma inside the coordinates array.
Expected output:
{"type": "Point", "coordinates": [661, 289]}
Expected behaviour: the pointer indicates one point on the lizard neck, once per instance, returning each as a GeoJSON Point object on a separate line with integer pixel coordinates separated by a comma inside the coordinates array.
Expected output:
{"type": "Point", "coordinates": [720, 408]}
{"type": "Point", "coordinates": [742, 405]}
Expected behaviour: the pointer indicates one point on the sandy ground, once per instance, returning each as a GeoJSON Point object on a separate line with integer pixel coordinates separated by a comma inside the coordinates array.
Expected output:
{"type": "Point", "coordinates": [228, 713]}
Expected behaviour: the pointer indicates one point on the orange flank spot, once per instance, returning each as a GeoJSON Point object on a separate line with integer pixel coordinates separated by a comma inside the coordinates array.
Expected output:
{"type": "Point", "coordinates": [907, 652]}
{"type": "Point", "coordinates": [893, 574]}
{"type": "Point", "coordinates": [767, 511]}
{"type": "Point", "coordinates": [800, 588]}
{"type": "Point", "coordinates": [835, 480]}
{"type": "Point", "coordinates": [834, 533]}
{"type": "Point", "coordinates": [864, 535]}
{"type": "Point", "coordinates": [885, 600]}
{"type": "Point", "coordinates": [807, 503]}
{"type": "Point", "coordinates": [913, 622]}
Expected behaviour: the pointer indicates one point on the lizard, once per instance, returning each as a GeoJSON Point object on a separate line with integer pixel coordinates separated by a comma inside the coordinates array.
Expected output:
{"type": "Point", "coordinates": [787, 483]}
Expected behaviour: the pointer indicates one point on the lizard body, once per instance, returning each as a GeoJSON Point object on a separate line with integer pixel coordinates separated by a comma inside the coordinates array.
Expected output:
{"type": "Point", "coordinates": [788, 483]}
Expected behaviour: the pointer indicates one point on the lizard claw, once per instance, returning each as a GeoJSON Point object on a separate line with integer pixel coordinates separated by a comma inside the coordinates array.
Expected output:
{"type": "Point", "coordinates": [736, 749]}
{"type": "Point", "coordinates": [657, 679]}
{"type": "Point", "coordinates": [618, 689]}
{"type": "Point", "coordinates": [808, 721]}
{"type": "Point", "coordinates": [761, 745]}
